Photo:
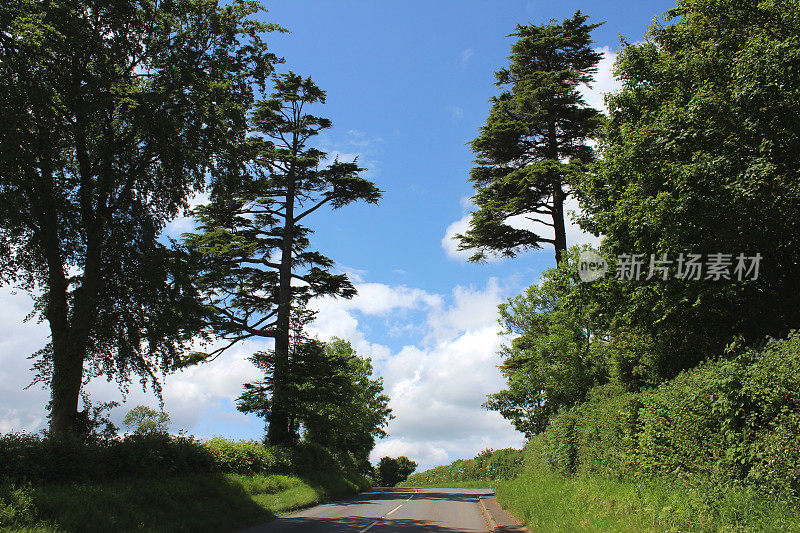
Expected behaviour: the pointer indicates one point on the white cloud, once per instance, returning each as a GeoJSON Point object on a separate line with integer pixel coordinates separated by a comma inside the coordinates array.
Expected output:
{"type": "Point", "coordinates": [449, 242]}
{"type": "Point", "coordinates": [466, 55]}
{"type": "Point", "coordinates": [456, 113]}
{"type": "Point", "coordinates": [437, 389]}
{"type": "Point", "coordinates": [472, 309]}
{"type": "Point", "coordinates": [20, 409]}
{"type": "Point", "coordinates": [436, 385]}
{"type": "Point", "coordinates": [604, 80]}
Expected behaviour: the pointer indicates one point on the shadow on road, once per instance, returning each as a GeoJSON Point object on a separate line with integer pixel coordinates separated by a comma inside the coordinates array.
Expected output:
{"type": "Point", "coordinates": [352, 524]}
{"type": "Point", "coordinates": [377, 496]}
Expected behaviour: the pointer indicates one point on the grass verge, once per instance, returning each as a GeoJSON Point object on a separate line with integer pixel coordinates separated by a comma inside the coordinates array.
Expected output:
{"type": "Point", "coordinates": [546, 501]}
{"type": "Point", "coordinates": [203, 502]}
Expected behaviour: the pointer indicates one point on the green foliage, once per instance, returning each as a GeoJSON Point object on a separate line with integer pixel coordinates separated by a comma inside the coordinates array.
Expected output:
{"type": "Point", "coordinates": [16, 506]}
{"type": "Point", "coordinates": [255, 267]}
{"type": "Point", "coordinates": [729, 422]}
{"type": "Point", "coordinates": [546, 501]}
{"type": "Point", "coordinates": [146, 421]}
{"type": "Point", "coordinates": [538, 121]}
{"type": "Point", "coordinates": [332, 396]}
{"type": "Point", "coordinates": [701, 156]}
{"type": "Point", "coordinates": [350, 409]}
{"type": "Point", "coordinates": [558, 351]}
{"type": "Point", "coordinates": [391, 471]}
{"type": "Point", "coordinates": [114, 114]}
{"type": "Point", "coordinates": [488, 466]}
{"type": "Point", "coordinates": [61, 460]}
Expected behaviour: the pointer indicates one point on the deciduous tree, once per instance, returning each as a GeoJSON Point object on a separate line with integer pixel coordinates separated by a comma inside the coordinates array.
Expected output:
{"type": "Point", "coordinates": [702, 156]}
{"type": "Point", "coordinates": [558, 350]}
{"type": "Point", "coordinates": [113, 114]}
{"type": "Point", "coordinates": [331, 397]}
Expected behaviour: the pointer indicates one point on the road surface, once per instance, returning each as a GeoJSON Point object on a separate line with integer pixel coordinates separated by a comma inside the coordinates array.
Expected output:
{"type": "Point", "coordinates": [389, 510]}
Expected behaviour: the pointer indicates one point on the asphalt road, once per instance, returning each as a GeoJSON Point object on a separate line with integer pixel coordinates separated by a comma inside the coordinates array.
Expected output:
{"type": "Point", "coordinates": [389, 511]}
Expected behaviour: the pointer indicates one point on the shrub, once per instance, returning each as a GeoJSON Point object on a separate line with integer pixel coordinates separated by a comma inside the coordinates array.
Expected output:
{"type": "Point", "coordinates": [37, 459]}
{"type": "Point", "coordinates": [489, 465]}
{"type": "Point", "coordinates": [731, 421]}
{"type": "Point", "coordinates": [16, 506]}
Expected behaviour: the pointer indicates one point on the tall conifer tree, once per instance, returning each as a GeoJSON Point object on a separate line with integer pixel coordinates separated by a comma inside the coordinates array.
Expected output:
{"type": "Point", "coordinates": [534, 141]}
{"type": "Point", "coordinates": [258, 271]}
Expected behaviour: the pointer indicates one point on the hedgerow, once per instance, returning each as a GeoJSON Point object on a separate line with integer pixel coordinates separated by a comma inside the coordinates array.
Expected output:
{"type": "Point", "coordinates": [732, 421]}
{"type": "Point", "coordinates": [36, 459]}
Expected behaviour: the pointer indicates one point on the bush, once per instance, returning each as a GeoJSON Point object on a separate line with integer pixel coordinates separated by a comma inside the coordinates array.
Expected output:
{"type": "Point", "coordinates": [489, 465]}
{"type": "Point", "coordinates": [31, 458]}
{"type": "Point", "coordinates": [731, 421]}
{"type": "Point", "coordinates": [16, 506]}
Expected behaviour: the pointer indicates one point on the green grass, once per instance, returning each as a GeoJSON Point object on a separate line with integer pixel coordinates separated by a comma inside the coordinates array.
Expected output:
{"type": "Point", "coordinates": [546, 501]}
{"type": "Point", "coordinates": [203, 502]}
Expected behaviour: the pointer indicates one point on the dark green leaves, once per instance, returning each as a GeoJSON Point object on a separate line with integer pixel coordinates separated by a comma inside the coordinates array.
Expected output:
{"type": "Point", "coordinates": [533, 143]}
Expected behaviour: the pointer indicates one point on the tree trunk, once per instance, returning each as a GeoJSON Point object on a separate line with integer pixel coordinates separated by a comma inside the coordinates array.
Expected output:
{"type": "Point", "coordinates": [70, 331]}
{"type": "Point", "coordinates": [278, 432]}
{"type": "Point", "coordinates": [558, 222]}
{"type": "Point", "coordinates": [560, 231]}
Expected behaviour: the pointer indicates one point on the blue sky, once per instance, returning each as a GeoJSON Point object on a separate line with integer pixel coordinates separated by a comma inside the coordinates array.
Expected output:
{"type": "Point", "coordinates": [408, 86]}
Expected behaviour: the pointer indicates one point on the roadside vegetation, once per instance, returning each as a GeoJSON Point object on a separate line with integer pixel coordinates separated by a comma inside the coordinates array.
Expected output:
{"type": "Point", "coordinates": [159, 482]}
{"type": "Point", "coordinates": [714, 449]}
{"type": "Point", "coordinates": [663, 393]}
{"type": "Point", "coordinates": [486, 468]}
{"type": "Point", "coordinates": [155, 481]}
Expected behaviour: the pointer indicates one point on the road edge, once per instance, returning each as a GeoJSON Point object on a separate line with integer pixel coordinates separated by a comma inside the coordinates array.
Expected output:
{"type": "Point", "coordinates": [488, 515]}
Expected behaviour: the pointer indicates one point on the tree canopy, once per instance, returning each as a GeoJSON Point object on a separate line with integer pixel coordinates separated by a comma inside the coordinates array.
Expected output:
{"type": "Point", "coordinates": [701, 156]}
{"type": "Point", "coordinates": [533, 145]}
{"type": "Point", "coordinates": [332, 398]}
{"type": "Point", "coordinates": [558, 349]}
{"type": "Point", "coordinates": [257, 270]}
{"type": "Point", "coordinates": [113, 115]}
{"type": "Point", "coordinates": [392, 471]}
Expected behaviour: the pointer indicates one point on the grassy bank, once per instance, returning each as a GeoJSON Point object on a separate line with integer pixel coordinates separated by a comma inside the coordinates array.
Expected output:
{"type": "Point", "coordinates": [203, 502]}
{"type": "Point", "coordinates": [161, 482]}
{"type": "Point", "coordinates": [546, 501]}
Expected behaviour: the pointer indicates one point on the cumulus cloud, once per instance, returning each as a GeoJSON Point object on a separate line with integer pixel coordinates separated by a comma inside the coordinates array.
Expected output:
{"type": "Point", "coordinates": [437, 383]}
{"type": "Point", "coordinates": [604, 81]}
{"type": "Point", "coordinates": [437, 390]}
